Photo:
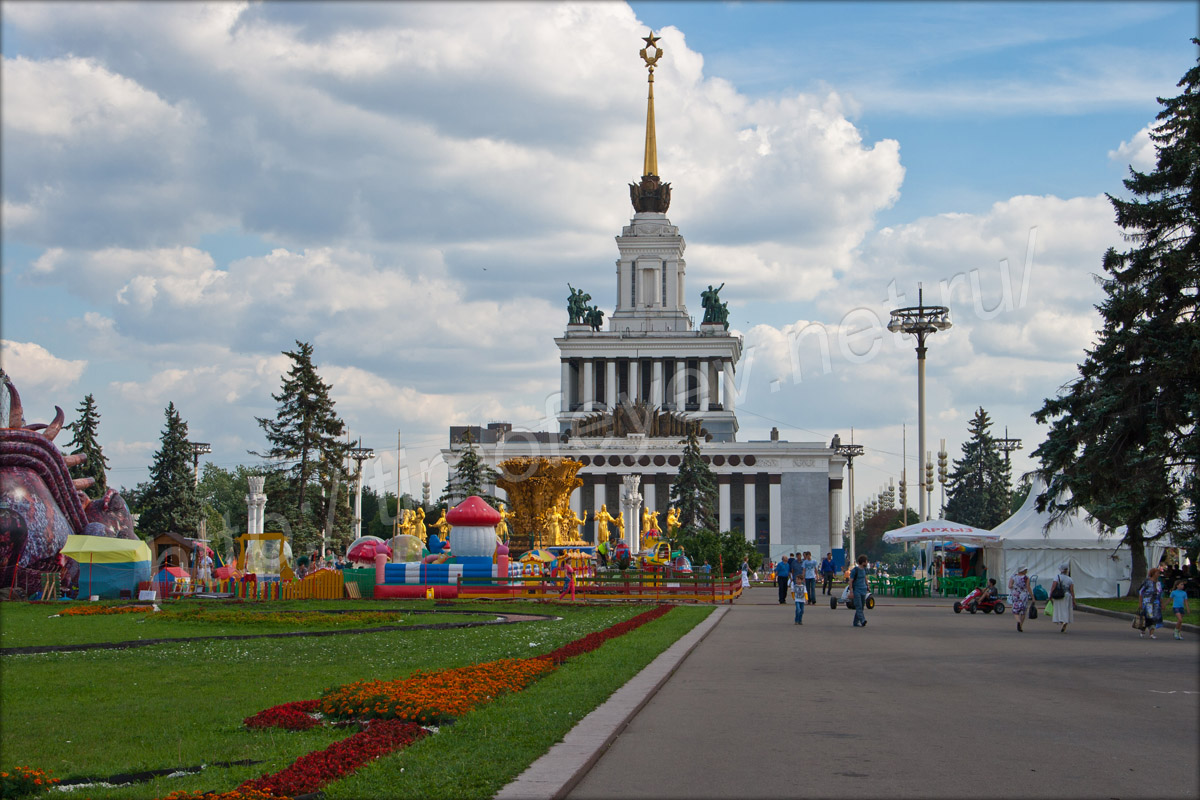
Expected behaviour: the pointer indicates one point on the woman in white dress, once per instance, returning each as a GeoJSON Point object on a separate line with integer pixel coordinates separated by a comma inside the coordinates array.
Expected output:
{"type": "Point", "coordinates": [1064, 607]}
{"type": "Point", "coordinates": [745, 573]}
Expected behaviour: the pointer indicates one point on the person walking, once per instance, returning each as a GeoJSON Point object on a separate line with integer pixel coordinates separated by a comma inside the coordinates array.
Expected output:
{"type": "Point", "coordinates": [810, 576]}
{"type": "Point", "coordinates": [1179, 605]}
{"type": "Point", "coordinates": [746, 573]}
{"type": "Point", "coordinates": [798, 595]}
{"type": "Point", "coordinates": [782, 573]}
{"type": "Point", "coordinates": [858, 584]}
{"type": "Point", "coordinates": [1020, 595]}
{"type": "Point", "coordinates": [1062, 592]}
{"type": "Point", "coordinates": [827, 574]}
{"type": "Point", "coordinates": [1150, 594]}
{"type": "Point", "coordinates": [569, 583]}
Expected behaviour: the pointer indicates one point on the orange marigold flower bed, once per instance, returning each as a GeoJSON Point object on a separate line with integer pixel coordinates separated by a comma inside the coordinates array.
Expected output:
{"type": "Point", "coordinates": [93, 610]}
{"type": "Point", "coordinates": [22, 781]}
{"type": "Point", "coordinates": [433, 697]}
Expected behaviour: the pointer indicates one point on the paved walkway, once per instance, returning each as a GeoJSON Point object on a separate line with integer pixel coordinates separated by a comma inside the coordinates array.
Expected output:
{"type": "Point", "coordinates": [765, 708]}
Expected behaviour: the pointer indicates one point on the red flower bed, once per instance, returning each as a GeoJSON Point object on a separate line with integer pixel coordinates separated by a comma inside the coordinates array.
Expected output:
{"type": "Point", "coordinates": [289, 716]}
{"type": "Point", "coordinates": [315, 770]}
{"type": "Point", "coordinates": [236, 794]}
{"type": "Point", "coordinates": [593, 640]}
{"type": "Point", "coordinates": [91, 611]}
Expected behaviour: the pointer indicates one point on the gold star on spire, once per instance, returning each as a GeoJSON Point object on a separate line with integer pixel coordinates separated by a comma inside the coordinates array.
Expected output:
{"type": "Point", "coordinates": [651, 40]}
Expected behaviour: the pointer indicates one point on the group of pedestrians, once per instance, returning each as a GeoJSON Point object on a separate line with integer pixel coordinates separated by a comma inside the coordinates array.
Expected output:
{"type": "Point", "coordinates": [799, 576]}
{"type": "Point", "coordinates": [1150, 596]}
{"type": "Point", "coordinates": [798, 571]}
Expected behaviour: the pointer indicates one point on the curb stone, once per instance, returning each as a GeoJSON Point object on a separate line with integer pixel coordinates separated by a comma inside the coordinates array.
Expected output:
{"type": "Point", "coordinates": [556, 773]}
{"type": "Point", "coordinates": [1104, 612]}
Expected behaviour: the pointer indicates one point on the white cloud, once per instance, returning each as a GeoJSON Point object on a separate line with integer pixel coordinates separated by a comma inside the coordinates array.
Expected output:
{"type": "Point", "coordinates": [1139, 152]}
{"type": "Point", "coordinates": [31, 366]}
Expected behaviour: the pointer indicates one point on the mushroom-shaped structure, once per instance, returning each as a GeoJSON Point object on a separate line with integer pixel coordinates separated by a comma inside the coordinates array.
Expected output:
{"type": "Point", "coordinates": [474, 529]}
{"type": "Point", "coordinates": [364, 549]}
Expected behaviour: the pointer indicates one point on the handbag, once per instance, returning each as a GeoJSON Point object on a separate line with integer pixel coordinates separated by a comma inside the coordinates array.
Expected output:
{"type": "Point", "coordinates": [1032, 611]}
{"type": "Point", "coordinates": [1058, 592]}
{"type": "Point", "coordinates": [1139, 620]}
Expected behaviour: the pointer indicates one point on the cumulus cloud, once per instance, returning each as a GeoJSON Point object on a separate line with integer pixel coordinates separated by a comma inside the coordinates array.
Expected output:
{"type": "Point", "coordinates": [33, 367]}
{"type": "Point", "coordinates": [1139, 152]}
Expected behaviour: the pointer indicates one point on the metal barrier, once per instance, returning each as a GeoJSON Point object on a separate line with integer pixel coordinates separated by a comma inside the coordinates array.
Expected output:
{"type": "Point", "coordinates": [638, 587]}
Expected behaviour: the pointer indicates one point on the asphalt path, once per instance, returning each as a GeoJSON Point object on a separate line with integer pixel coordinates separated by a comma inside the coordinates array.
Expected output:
{"type": "Point", "coordinates": [922, 702]}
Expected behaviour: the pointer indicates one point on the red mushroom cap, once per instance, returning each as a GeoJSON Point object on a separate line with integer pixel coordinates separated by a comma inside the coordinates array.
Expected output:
{"type": "Point", "coordinates": [473, 513]}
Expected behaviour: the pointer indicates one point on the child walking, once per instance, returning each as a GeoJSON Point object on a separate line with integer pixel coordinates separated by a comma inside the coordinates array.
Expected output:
{"type": "Point", "coordinates": [1179, 605]}
{"type": "Point", "coordinates": [798, 594]}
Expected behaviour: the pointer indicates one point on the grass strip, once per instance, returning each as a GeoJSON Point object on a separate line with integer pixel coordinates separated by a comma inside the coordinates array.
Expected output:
{"type": "Point", "coordinates": [1129, 605]}
{"type": "Point", "coordinates": [175, 704]}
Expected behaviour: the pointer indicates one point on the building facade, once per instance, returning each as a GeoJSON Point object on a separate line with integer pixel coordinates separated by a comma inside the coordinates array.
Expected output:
{"type": "Point", "coordinates": [629, 392]}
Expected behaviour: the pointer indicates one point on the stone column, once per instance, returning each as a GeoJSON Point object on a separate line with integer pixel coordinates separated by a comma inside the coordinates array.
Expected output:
{"type": "Point", "coordinates": [730, 388]}
{"type": "Point", "coordinates": [723, 504]}
{"type": "Point", "coordinates": [631, 507]}
{"type": "Point", "coordinates": [566, 385]}
{"type": "Point", "coordinates": [656, 383]}
{"type": "Point", "coordinates": [650, 501]}
{"type": "Point", "coordinates": [703, 388]}
{"type": "Point", "coordinates": [610, 384]}
{"type": "Point", "coordinates": [261, 509]}
{"type": "Point", "coordinates": [589, 385]}
{"type": "Point", "coordinates": [256, 501]}
{"type": "Point", "coordinates": [750, 515]}
{"type": "Point", "coordinates": [775, 499]}
{"type": "Point", "coordinates": [577, 501]}
{"type": "Point", "coordinates": [681, 383]}
{"type": "Point", "coordinates": [635, 385]}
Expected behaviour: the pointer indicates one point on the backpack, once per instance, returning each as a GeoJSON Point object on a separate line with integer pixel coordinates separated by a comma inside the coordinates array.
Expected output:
{"type": "Point", "coordinates": [1058, 592]}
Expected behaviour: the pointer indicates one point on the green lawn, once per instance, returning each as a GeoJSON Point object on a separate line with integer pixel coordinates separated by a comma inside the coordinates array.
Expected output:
{"type": "Point", "coordinates": [1129, 605]}
{"type": "Point", "coordinates": [179, 704]}
{"type": "Point", "coordinates": [35, 624]}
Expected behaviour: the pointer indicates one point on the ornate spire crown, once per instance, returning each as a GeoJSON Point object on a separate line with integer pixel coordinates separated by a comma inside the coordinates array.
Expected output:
{"type": "Point", "coordinates": [650, 194]}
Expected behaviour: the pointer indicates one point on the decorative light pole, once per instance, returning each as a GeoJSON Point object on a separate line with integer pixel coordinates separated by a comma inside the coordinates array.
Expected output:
{"type": "Point", "coordinates": [850, 451]}
{"type": "Point", "coordinates": [943, 472]}
{"type": "Point", "coordinates": [359, 454]}
{"type": "Point", "coordinates": [920, 321]}
{"type": "Point", "coordinates": [200, 449]}
{"type": "Point", "coordinates": [1007, 445]}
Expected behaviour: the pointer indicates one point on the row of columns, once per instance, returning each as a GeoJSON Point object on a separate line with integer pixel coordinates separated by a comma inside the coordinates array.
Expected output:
{"type": "Point", "coordinates": [707, 387]}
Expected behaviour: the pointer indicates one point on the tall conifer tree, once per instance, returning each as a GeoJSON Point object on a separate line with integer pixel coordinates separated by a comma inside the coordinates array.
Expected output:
{"type": "Point", "coordinates": [308, 432]}
{"type": "Point", "coordinates": [85, 443]}
{"type": "Point", "coordinates": [694, 491]}
{"type": "Point", "coordinates": [978, 491]}
{"type": "Point", "coordinates": [1123, 440]}
{"type": "Point", "coordinates": [170, 502]}
{"type": "Point", "coordinates": [471, 477]}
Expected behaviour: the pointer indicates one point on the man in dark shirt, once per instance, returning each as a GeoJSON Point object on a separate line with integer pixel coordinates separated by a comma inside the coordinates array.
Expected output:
{"type": "Point", "coordinates": [782, 571]}
{"type": "Point", "coordinates": [827, 574]}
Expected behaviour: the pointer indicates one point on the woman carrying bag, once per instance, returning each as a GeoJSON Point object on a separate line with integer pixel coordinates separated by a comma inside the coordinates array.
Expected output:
{"type": "Point", "coordinates": [1062, 595]}
{"type": "Point", "coordinates": [1021, 595]}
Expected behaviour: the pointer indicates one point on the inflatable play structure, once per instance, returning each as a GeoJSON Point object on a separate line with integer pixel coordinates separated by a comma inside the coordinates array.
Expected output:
{"type": "Point", "coordinates": [108, 566]}
{"type": "Point", "coordinates": [472, 552]}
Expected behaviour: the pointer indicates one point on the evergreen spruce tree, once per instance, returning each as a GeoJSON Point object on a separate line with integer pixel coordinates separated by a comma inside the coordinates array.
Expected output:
{"type": "Point", "coordinates": [170, 504]}
{"type": "Point", "coordinates": [694, 491]}
{"type": "Point", "coordinates": [308, 433]}
{"type": "Point", "coordinates": [85, 443]}
{"type": "Point", "coordinates": [1124, 443]}
{"type": "Point", "coordinates": [471, 477]}
{"type": "Point", "coordinates": [978, 490]}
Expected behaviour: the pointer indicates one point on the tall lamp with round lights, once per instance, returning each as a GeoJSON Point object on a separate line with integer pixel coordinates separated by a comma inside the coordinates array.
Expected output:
{"type": "Point", "coordinates": [850, 451]}
{"type": "Point", "coordinates": [920, 321]}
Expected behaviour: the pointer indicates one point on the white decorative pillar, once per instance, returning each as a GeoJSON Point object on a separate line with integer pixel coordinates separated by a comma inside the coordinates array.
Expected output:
{"type": "Point", "coordinates": [610, 384]}
{"type": "Point", "coordinates": [656, 383]}
{"type": "Point", "coordinates": [256, 501]}
{"type": "Point", "coordinates": [598, 499]}
{"type": "Point", "coordinates": [723, 507]}
{"type": "Point", "coordinates": [681, 383]}
{"type": "Point", "coordinates": [577, 501]}
{"type": "Point", "coordinates": [589, 386]}
{"type": "Point", "coordinates": [261, 508]}
{"type": "Point", "coordinates": [635, 385]}
{"type": "Point", "coordinates": [703, 388]}
{"type": "Point", "coordinates": [775, 499]}
{"type": "Point", "coordinates": [730, 388]}
{"type": "Point", "coordinates": [566, 385]}
{"type": "Point", "coordinates": [650, 500]}
{"type": "Point", "coordinates": [631, 507]}
{"type": "Point", "coordinates": [835, 519]}
{"type": "Point", "coordinates": [750, 515]}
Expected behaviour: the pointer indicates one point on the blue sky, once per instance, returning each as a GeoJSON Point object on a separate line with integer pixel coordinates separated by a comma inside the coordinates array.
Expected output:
{"type": "Point", "coordinates": [188, 188]}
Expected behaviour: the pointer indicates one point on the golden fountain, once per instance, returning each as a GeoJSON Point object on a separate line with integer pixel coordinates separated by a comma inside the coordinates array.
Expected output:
{"type": "Point", "coordinates": [539, 491]}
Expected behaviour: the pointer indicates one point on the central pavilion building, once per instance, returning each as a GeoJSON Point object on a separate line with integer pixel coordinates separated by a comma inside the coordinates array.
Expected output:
{"type": "Point", "coordinates": [629, 393]}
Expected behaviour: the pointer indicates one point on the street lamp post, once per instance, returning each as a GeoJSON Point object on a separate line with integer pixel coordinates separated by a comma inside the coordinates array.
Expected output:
{"type": "Point", "coordinates": [920, 321]}
{"type": "Point", "coordinates": [1007, 445]}
{"type": "Point", "coordinates": [850, 451]}
{"type": "Point", "coordinates": [359, 454]}
{"type": "Point", "coordinates": [200, 449]}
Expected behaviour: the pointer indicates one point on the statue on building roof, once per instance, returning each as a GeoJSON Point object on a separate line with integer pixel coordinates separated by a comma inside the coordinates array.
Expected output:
{"type": "Point", "coordinates": [594, 317]}
{"type": "Point", "coordinates": [577, 306]}
{"type": "Point", "coordinates": [715, 311]}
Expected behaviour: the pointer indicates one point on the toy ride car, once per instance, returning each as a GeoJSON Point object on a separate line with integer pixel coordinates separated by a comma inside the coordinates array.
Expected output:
{"type": "Point", "coordinates": [977, 600]}
{"type": "Point", "coordinates": [847, 599]}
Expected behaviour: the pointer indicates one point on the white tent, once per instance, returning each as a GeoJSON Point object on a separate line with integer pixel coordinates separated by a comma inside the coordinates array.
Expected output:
{"type": "Point", "coordinates": [941, 530]}
{"type": "Point", "coordinates": [1097, 562]}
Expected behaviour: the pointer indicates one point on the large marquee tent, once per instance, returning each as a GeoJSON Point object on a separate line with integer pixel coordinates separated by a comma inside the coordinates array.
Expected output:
{"type": "Point", "coordinates": [1097, 562]}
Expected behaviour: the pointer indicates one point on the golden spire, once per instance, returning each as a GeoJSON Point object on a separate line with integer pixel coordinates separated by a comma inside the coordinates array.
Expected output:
{"type": "Point", "coordinates": [650, 163]}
